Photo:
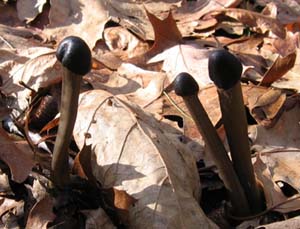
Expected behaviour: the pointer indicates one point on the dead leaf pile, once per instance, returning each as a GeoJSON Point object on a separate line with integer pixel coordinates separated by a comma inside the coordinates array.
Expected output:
{"type": "Point", "coordinates": [134, 141]}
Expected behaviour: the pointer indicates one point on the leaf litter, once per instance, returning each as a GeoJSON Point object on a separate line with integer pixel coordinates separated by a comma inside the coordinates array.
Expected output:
{"type": "Point", "coordinates": [145, 151]}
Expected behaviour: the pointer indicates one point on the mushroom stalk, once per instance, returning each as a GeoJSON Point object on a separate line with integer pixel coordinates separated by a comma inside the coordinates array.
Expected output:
{"type": "Point", "coordinates": [187, 87]}
{"type": "Point", "coordinates": [75, 57]}
{"type": "Point", "coordinates": [68, 113]}
{"type": "Point", "coordinates": [225, 70]}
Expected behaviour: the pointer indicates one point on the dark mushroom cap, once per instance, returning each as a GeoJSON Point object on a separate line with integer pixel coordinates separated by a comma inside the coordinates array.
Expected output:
{"type": "Point", "coordinates": [75, 55]}
{"type": "Point", "coordinates": [224, 69]}
{"type": "Point", "coordinates": [185, 85]}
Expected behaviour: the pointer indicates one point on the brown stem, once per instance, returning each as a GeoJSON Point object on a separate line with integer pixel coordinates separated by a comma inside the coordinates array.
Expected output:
{"type": "Point", "coordinates": [187, 87]}
{"type": "Point", "coordinates": [235, 123]}
{"type": "Point", "coordinates": [68, 112]}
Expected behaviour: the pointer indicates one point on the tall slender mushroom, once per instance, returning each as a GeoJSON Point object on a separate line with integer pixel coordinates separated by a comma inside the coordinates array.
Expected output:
{"type": "Point", "coordinates": [187, 87]}
{"type": "Point", "coordinates": [225, 70]}
{"type": "Point", "coordinates": [75, 57]}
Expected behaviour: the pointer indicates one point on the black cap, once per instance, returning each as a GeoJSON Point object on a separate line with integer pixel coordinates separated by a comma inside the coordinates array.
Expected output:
{"type": "Point", "coordinates": [185, 85]}
{"type": "Point", "coordinates": [75, 55]}
{"type": "Point", "coordinates": [224, 69]}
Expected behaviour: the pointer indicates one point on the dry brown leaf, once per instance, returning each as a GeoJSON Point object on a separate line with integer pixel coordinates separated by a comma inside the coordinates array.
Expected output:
{"type": "Point", "coordinates": [284, 134]}
{"type": "Point", "coordinates": [265, 104]}
{"type": "Point", "coordinates": [123, 43]}
{"type": "Point", "coordinates": [36, 67]}
{"type": "Point", "coordinates": [82, 164]}
{"type": "Point", "coordinates": [284, 47]}
{"type": "Point", "coordinates": [28, 9]}
{"type": "Point", "coordinates": [19, 162]}
{"type": "Point", "coordinates": [133, 15]}
{"type": "Point", "coordinates": [286, 11]}
{"type": "Point", "coordinates": [18, 38]}
{"type": "Point", "coordinates": [166, 33]}
{"type": "Point", "coordinates": [257, 21]}
{"type": "Point", "coordinates": [280, 67]}
{"type": "Point", "coordinates": [273, 194]}
{"type": "Point", "coordinates": [291, 78]}
{"type": "Point", "coordinates": [41, 214]}
{"type": "Point", "coordinates": [133, 153]}
{"type": "Point", "coordinates": [79, 18]}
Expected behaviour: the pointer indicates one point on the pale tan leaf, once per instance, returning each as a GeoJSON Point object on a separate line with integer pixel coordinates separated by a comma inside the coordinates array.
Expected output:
{"type": "Point", "coordinates": [79, 18]}
{"type": "Point", "coordinates": [132, 152]}
{"type": "Point", "coordinates": [18, 38]}
{"type": "Point", "coordinates": [123, 43]}
{"type": "Point", "coordinates": [36, 67]}
{"type": "Point", "coordinates": [190, 58]}
{"type": "Point", "coordinates": [29, 9]}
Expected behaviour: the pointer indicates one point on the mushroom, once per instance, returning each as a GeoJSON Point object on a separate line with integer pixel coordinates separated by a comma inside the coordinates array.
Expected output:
{"type": "Point", "coordinates": [225, 71]}
{"type": "Point", "coordinates": [75, 57]}
{"type": "Point", "coordinates": [186, 87]}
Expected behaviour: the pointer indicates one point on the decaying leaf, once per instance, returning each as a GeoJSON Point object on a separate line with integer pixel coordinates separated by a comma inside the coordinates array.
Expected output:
{"type": "Point", "coordinates": [28, 9]}
{"type": "Point", "coordinates": [97, 219]}
{"type": "Point", "coordinates": [41, 214]}
{"type": "Point", "coordinates": [261, 23]}
{"type": "Point", "coordinates": [35, 67]}
{"type": "Point", "coordinates": [275, 198]}
{"type": "Point", "coordinates": [132, 152]}
{"type": "Point", "coordinates": [190, 57]}
{"type": "Point", "coordinates": [284, 134]}
{"type": "Point", "coordinates": [81, 18]}
{"type": "Point", "coordinates": [19, 162]}
{"type": "Point", "coordinates": [281, 66]}
{"type": "Point", "coordinates": [265, 104]}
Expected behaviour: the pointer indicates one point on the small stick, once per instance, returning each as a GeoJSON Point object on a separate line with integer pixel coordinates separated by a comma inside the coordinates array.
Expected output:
{"type": "Point", "coordinates": [187, 87]}
{"type": "Point", "coordinates": [75, 56]}
{"type": "Point", "coordinates": [225, 70]}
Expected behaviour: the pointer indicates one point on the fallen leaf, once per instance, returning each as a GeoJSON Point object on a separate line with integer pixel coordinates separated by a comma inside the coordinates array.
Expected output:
{"type": "Point", "coordinates": [19, 162]}
{"type": "Point", "coordinates": [165, 187]}
{"type": "Point", "coordinates": [190, 58]}
{"type": "Point", "coordinates": [7, 204]}
{"type": "Point", "coordinates": [133, 15]}
{"type": "Point", "coordinates": [287, 126]}
{"type": "Point", "coordinates": [28, 9]}
{"type": "Point", "coordinates": [287, 223]}
{"type": "Point", "coordinates": [82, 164]}
{"type": "Point", "coordinates": [78, 18]}
{"type": "Point", "coordinates": [123, 43]}
{"type": "Point", "coordinates": [280, 67]}
{"type": "Point", "coordinates": [286, 11]}
{"type": "Point", "coordinates": [275, 199]}
{"type": "Point", "coordinates": [41, 214]}
{"type": "Point", "coordinates": [36, 67]}
{"type": "Point", "coordinates": [97, 219]}
{"type": "Point", "coordinates": [265, 104]}
{"type": "Point", "coordinates": [257, 21]}
{"type": "Point", "coordinates": [166, 33]}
